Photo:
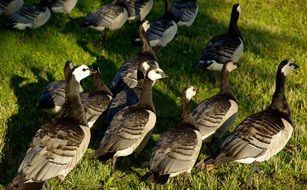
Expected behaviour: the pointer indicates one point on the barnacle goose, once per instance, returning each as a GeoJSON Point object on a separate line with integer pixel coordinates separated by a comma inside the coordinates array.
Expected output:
{"type": "Point", "coordinates": [223, 48]}
{"type": "Point", "coordinates": [108, 17]}
{"type": "Point", "coordinates": [131, 127]}
{"type": "Point", "coordinates": [261, 135]}
{"type": "Point", "coordinates": [9, 7]}
{"type": "Point", "coordinates": [178, 148]}
{"type": "Point", "coordinates": [161, 31]}
{"type": "Point", "coordinates": [128, 82]}
{"type": "Point", "coordinates": [60, 144]}
{"type": "Point", "coordinates": [53, 96]}
{"type": "Point", "coordinates": [95, 103]}
{"type": "Point", "coordinates": [63, 6]}
{"type": "Point", "coordinates": [216, 114]}
{"type": "Point", "coordinates": [185, 12]}
{"type": "Point", "coordinates": [30, 16]}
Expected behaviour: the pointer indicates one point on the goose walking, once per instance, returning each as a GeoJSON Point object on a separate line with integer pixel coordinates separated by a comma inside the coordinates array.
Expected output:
{"type": "Point", "coordinates": [131, 127]}
{"type": "Point", "coordinates": [185, 12]}
{"type": "Point", "coordinates": [9, 7]}
{"type": "Point", "coordinates": [216, 114]}
{"type": "Point", "coordinates": [63, 6]}
{"type": "Point", "coordinates": [160, 32]}
{"type": "Point", "coordinates": [30, 16]}
{"type": "Point", "coordinates": [178, 148]}
{"type": "Point", "coordinates": [261, 135]}
{"type": "Point", "coordinates": [60, 144]}
{"type": "Point", "coordinates": [223, 48]}
{"type": "Point", "coordinates": [138, 9]}
{"type": "Point", "coordinates": [108, 17]}
{"type": "Point", "coordinates": [96, 103]}
{"type": "Point", "coordinates": [53, 96]}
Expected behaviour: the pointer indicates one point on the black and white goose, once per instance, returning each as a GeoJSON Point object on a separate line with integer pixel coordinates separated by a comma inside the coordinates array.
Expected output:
{"type": "Point", "coordinates": [108, 17]}
{"type": "Point", "coordinates": [161, 31]}
{"type": "Point", "coordinates": [226, 47]}
{"type": "Point", "coordinates": [95, 103]}
{"type": "Point", "coordinates": [131, 127]}
{"type": "Point", "coordinates": [127, 75]}
{"type": "Point", "coordinates": [217, 113]}
{"type": "Point", "coordinates": [261, 135]}
{"type": "Point", "coordinates": [185, 12]}
{"type": "Point", "coordinates": [9, 7]}
{"type": "Point", "coordinates": [53, 96]}
{"type": "Point", "coordinates": [60, 144]}
{"type": "Point", "coordinates": [30, 16]}
{"type": "Point", "coordinates": [178, 148]}
{"type": "Point", "coordinates": [63, 6]}
{"type": "Point", "coordinates": [138, 9]}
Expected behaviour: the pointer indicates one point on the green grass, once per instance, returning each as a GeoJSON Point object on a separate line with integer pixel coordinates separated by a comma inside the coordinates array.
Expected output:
{"type": "Point", "coordinates": [272, 31]}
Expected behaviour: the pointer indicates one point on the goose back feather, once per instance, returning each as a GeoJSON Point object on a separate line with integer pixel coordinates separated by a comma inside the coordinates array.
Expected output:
{"type": "Point", "coordinates": [9, 7]}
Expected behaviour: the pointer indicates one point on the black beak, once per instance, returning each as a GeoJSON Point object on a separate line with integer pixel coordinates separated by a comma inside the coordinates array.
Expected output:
{"type": "Point", "coordinates": [93, 71]}
{"type": "Point", "coordinates": [295, 66]}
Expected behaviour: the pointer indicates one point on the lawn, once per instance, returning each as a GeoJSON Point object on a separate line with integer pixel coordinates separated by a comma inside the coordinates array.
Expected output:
{"type": "Point", "coordinates": [273, 30]}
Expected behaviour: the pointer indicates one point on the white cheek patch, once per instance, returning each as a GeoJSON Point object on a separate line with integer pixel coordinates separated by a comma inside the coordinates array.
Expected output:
{"type": "Point", "coordinates": [231, 67]}
{"type": "Point", "coordinates": [239, 9]}
{"type": "Point", "coordinates": [145, 66]}
{"type": "Point", "coordinates": [152, 75]}
{"type": "Point", "coordinates": [190, 92]}
{"type": "Point", "coordinates": [146, 25]}
{"type": "Point", "coordinates": [287, 69]}
{"type": "Point", "coordinates": [80, 74]}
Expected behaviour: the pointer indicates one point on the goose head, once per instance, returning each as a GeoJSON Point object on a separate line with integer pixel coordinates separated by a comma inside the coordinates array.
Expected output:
{"type": "Point", "coordinates": [230, 66]}
{"type": "Point", "coordinates": [82, 72]}
{"type": "Point", "coordinates": [156, 73]}
{"type": "Point", "coordinates": [286, 67]}
{"type": "Point", "coordinates": [236, 10]}
{"type": "Point", "coordinates": [189, 92]}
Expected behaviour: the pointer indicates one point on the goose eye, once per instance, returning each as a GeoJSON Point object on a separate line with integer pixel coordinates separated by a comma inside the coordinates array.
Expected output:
{"type": "Point", "coordinates": [84, 69]}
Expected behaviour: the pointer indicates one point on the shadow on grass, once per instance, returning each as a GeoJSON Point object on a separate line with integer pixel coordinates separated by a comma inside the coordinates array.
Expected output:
{"type": "Point", "coordinates": [23, 125]}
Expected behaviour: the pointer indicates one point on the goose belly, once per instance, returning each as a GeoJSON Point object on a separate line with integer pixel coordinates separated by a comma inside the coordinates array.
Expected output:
{"type": "Point", "coordinates": [238, 52]}
{"type": "Point", "coordinates": [169, 34]}
{"type": "Point", "coordinates": [214, 66]}
{"type": "Point", "coordinates": [119, 21]}
{"type": "Point", "coordinates": [147, 128]}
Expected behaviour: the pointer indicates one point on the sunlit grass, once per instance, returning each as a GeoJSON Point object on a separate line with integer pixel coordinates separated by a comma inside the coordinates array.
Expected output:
{"type": "Point", "coordinates": [272, 30]}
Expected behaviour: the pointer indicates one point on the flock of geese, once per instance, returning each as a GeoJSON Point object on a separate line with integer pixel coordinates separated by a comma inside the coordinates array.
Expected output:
{"type": "Point", "coordinates": [128, 109]}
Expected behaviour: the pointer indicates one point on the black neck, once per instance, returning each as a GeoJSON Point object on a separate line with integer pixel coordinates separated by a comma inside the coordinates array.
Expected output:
{"type": "Point", "coordinates": [73, 108]}
{"type": "Point", "coordinates": [279, 101]}
{"type": "Point", "coordinates": [146, 95]}
{"type": "Point", "coordinates": [225, 84]}
{"type": "Point", "coordinates": [233, 25]}
{"type": "Point", "coordinates": [99, 85]}
{"type": "Point", "coordinates": [186, 117]}
{"type": "Point", "coordinates": [167, 9]}
{"type": "Point", "coordinates": [147, 50]}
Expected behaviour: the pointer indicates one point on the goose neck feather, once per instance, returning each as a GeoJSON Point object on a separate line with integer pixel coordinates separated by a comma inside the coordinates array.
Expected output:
{"type": "Point", "coordinates": [73, 108]}
{"type": "Point", "coordinates": [233, 24]}
{"type": "Point", "coordinates": [99, 85]}
{"type": "Point", "coordinates": [225, 88]}
{"type": "Point", "coordinates": [186, 117]}
{"type": "Point", "coordinates": [146, 96]}
{"type": "Point", "coordinates": [279, 101]}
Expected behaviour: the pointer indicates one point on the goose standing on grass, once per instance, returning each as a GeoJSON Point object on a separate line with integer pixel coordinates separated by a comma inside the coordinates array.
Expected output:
{"type": "Point", "coordinates": [53, 96]}
{"type": "Point", "coordinates": [63, 6]}
{"type": "Point", "coordinates": [96, 103]}
{"type": "Point", "coordinates": [216, 114]}
{"type": "Point", "coordinates": [138, 9]}
{"type": "Point", "coordinates": [178, 148]}
{"type": "Point", "coordinates": [221, 49]}
{"type": "Point", "coordinates": [262, 135]}
{"type": "Point", "coordinates": [30, 16]}
{"type": "Point", "coordinates": [131, 127]}
{"type": "Point", "coordinates": [108, 17]}
{"type": "Point", "coordinates": [160, 32]}
{"type": "Point", "coordinates": [185, 12]}
{"type": "Point", "coordinates": [9, 7]}
{"type": "Point", "coordinates": [60, 144]}
{"type": "Point", "coordinates": [128, 82]}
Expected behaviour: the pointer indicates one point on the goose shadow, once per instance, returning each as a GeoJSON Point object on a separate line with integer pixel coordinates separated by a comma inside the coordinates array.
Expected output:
{"type": "Point", "coordinates": [22, 126]}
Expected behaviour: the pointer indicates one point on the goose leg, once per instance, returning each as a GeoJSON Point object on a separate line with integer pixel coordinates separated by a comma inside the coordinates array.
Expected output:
{"type": "Point", "coordinates": [113, 165]}
{"type": "Point", "coordinates": [101, 42]}
{"type": "Point", "coordinates": [248, 183]}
